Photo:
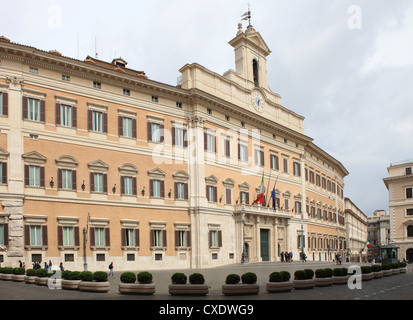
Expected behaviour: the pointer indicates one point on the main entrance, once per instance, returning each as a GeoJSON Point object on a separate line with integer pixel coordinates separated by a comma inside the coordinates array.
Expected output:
{"type": "Point", "coordinates": [409, 255]}
{"type": "Point", "coordinates": [265, 248]}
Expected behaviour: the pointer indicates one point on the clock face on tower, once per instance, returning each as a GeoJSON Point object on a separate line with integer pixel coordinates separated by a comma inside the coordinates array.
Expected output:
{"type": "Point", "coordinates": [258, 101]}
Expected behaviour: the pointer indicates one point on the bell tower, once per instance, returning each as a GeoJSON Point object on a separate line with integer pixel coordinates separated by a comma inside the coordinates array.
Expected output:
{"type": "Point", "coordinates": [251, 53]}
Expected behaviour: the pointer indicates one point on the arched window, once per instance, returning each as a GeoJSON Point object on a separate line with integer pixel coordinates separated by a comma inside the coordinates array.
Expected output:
{"type": "Point", "coordinates": [255, 72]}
{"type": "Point", "coordinates": [410, 231]}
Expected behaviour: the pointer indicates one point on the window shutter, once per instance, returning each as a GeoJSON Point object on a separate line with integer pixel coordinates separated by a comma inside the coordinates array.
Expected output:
{"type": "Point", "coordinates": [77, 238]}
{"type": "Point", "coordinates": [248, 198]}
{"type": "Point", "coordinates": [105, 122]}
{"type": "Point", "coordinates": [90, 120]}
{"type": "Point", "coordinates": [122, 185]}
{"type": "Point", "coordinates": [188, 238]}
{"type": "Point", "coordinates": [215, 194]}
{"type": "Point", "coordinates": [42, 111]}
{"type": "Point", "coordinates": [186, 194]}
{"type": "Point", "coordinates": [220, 238]}
{"type": "Point", "coordinates": [6, 234]}
{"type": "Point", "coordinates": [25, 103]}
{"type": "Point", "coordinates": [227, 148]}
{"type": "Point", "coordinates": [239, 151]}
{"type": "Point", "coordinates": [176, 238]}
{"type": "Point", "coordinates": [134, 135]}
{"type": "Point", "coordinates": [4, 173]}
{"type": "Point", "coordinates": [44, 235]}
{"type": "Point", "coordinates": [105, 183]}
{"type": "Point", "coordinates": [74, 180]}
{"type": "Point", "coordinates": [57, 113]}
{"type": "Point", "coordinates": [162, 186]}
{"type": "Point", "coordinates": [27, 235]}
{"type": "Point", "coordinates": [74, 117]}
{"type": "Point", "coordinates": [215, 144]}
{"type": "Point", "coordinates": [185, 138]}
{"type": "Point", "coordinates": [173, 136]}
{"type": "Point", "coordinates": [228, 196]}
{"type": "Point", "coordinates": [162, 133]}
{"type": "Point", "coordinates": [60, 236]}
{"type": "Point", "coordinates": [120, 126]}
{"type": "Point", "coordinates": [137, 238]}
{"type": "Point", "coordinates": [134, 187]}
{"type": "Point", "coordinates": [92, 237]}
{"type": "Point", "coordinates": [210, 238]}
{"type": "Point", "coordinates": [149, 131]}
{"type": "Point", "coordinates": [176, 190]}
{"type": "Point", "coordinates": [262, 158]}
{"type": "Point", "coordinates": [92, 182]}
{"type": "Point", "coordinates": [151, 188]}
{"type": "Point", "coordinates": [5, 104]}
{"type": "Point", "coordinates": [107, 237]}
{"type": "Point", "coordinates": [205, 141]}
{"type": "Point", "coordinates": [26, 175]}
{"type": "Point", "coordinates": [59, 178]}
{"type": "Point", "coordinates": [123, 237]}
{"type": "Point", "coordinates": [42, 176]}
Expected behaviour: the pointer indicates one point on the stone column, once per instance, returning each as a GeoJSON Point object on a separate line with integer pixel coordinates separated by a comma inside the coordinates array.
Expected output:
{"type": "Point", "coordinates": [13, 209]}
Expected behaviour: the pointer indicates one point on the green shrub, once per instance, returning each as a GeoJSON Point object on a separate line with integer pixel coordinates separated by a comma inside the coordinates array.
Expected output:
{"type": "Point", "coordinates": [276, 277]}
{"type": "Point", "coordinates": [196, 278]}
{"type": "Point", "coordinates": [394, 265]}
{"type": "Point", "coordinates": [320, 273]}
{"type": "Point", "coordinates": [144, 277]}
{"type": "Point", "coordinates": [31, 273]}
{"type": "Point", "coordinates": [86, 276]}
{"type": "Point", "coordinates": [100, 276]}
{"type": "Point", "coordinates": [329, 272]}
{"type": "Point", "coordinates": [233, 279]}
{"type": "Point", "coordinates": [309, 274]}
{"type": "Point", "coordinates": [128, 277]}
{"type": "Point", "coordinates": [376, 268]}
{"type": "Point", "coordinates": [19, 271]}
{"type": "Point", "coordinates": [385, 267]}
{"type": "Point", "coordinates": [402, 264]}
{"type": "Point", "coordinates": [50, 273]}
{"type": "Point", "coordinates": [41, 273]}
{"type": "Point", "coordinates": [340, 272]}
{"type": "Point", "coordinates": [75, 275]}
{"type": "Point", "coordinates": [365, 269]}
{"type": "Point", "coordinates": [249, 278]}
{"type": "Point", "coordinates": [299, 275]}
{"type": "Point", "coordinates": [8, 270]}
{"type": "Point", "coordinates": [67, 275]}
{"type": "Point", "coordinates": [178, 278]}
{"type": "Point", "coordinates": [286, 276]}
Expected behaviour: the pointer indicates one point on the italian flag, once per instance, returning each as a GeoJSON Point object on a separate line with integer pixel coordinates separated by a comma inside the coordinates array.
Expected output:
{"type": "Point", "coordinates": [368, 244]}
{"type": "Point", "coordinates": [260, 199]}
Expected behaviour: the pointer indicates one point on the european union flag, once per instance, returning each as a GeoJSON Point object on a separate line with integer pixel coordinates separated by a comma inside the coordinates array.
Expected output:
{"type": "Point", "coordinates": [274, 199]}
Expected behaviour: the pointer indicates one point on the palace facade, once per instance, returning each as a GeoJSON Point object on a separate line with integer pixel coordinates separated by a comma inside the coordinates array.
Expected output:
{"type": "Point", "coordinates": [99, 163]}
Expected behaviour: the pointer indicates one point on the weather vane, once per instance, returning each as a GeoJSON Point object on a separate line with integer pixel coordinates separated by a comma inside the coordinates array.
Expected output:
{"type": "Point", "coordinates": [247, 15]}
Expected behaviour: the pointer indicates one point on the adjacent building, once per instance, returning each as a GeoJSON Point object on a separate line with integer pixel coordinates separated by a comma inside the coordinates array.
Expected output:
{"type": "Point", "coordinates": [356, 232]}
{"type": "Point", "coordinates": [99, 163]}
{"type": "Point", "coordinates": [378, 232]}
{"type": "Point", "coordinates": [399, 183]}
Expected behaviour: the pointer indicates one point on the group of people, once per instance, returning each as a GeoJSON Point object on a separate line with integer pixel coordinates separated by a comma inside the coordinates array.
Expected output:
{"type": "Point", "coordinates": [36, 265]}
{"type": "Point", "coordinates": [286, 256]}
{"type": "Point", "coordinates": [338, 258]}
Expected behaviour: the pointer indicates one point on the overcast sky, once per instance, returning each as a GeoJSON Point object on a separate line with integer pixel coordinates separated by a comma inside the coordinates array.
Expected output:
{"type": "Point", "coordinates": [346, 66]}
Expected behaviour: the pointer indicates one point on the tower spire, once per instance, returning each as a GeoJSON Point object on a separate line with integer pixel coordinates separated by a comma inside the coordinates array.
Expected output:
{"type": "Point", "coordinates": [247, 15]}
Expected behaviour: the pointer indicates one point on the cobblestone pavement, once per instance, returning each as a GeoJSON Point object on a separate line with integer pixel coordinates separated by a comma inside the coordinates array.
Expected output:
{"type": "Point", "coordinates": [396, 287]}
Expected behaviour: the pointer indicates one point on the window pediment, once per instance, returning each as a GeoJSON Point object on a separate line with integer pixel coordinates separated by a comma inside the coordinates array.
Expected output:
{"type": "Point", "coordinates": [181, 176]}
{"type": "Point", "coordinates": [34, 158]}
{"type": "Point", "coordinates": [156, 173]}
{"type": "Point", "coordinates": [211, 180]}
{"type": "Point", "coordinates": [4, 154]}
{"type": "Point", "coordinates": [67, 161]}
{"type": "Point", "coordinates": [98, 166]}
{"type": "Point", "coordinates": [228, 183]}
{"type": "Point", "coordinates": [128, 169]}
{"type": "Point", "coordinates": [244, 186]}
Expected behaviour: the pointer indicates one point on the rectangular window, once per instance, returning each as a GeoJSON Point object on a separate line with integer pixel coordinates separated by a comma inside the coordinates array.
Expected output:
{"type": "Point", "coordinates": [259, 157]}
{"type": "Point", "coordinates": [409, 212]}
{"type": "Point", "coordinates": [128, 188]}
{"type": "Point", "coordinates": [97, 85]}
{"type": "Point", "coordinates": [227, 147]}
{"type": "Point", "coordinates": [34, 174]}
{"type": "Point", "coordinates": [33, 109]}
{"type": "Point", "coordinates": [210, 143]}
{"type": "Point", "coordinates": [98, 182]}
{"type": "Point", "coordinates": [129, 237]}
{"type": "Point", "coordinates": [285, 165]}
{"type": "Point", "coordinates": [211, 193]}
{"type": "Point", "coordinates": [228, 196]}
{"type": "Point", "coordinates": [65, 115]}
{"type": "Point", "coordinates": [409, 193]}
{"type": "Point", "coordinates": [180, 192]}
{"type": "Point", "coordinates": [156, 187]}
{"type": "Point", "coordinates": [214, 240]}
{"type": "Point", "coordinates": [68, 236]}
{"type": "Point", "coordinates": [67, 179]}
{"type": "Point", "coordinates": [274, 162]}
{"type": "Point", "coordinates": [66, 78]}
{"type": "Point", "coordinates": [408, 171]}
{"type": "Point", "coordinates": [155, 129]}
{"type": "Point", "coordinates": [99, 237]}
{"type": "Point", "coordinates": [179, 137]}
{"type": "Point", "coordinates": [181, 238]}
{"type": "Point", "coordinates": [243, 152]}
{"type": "Point", "coordinates": [35, 236]}
{"type": "Point", "coordinates": [157, 238]}
{"type": "Point", "coordinates": [126, 92]}
{"type": "Point", "coordinates": [244, 198]}
{"type": "Point", "coordinates": [154, 99]}
{"type": "Point", "coordinates": [2, 234]}
{"type": "Point", "coordinates": [127, 127]}
{"type": "Point", "coordinates": [97, 121]}
{"type": "Point", "coordinates": [34, 70]}
{"type": "Point", "coordinates": [297, 169]}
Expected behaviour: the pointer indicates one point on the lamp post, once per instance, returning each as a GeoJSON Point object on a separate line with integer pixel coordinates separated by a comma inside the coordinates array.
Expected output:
{"type": "Point", "coordinates": [85, 231]}
{"type": "Point", "coordinates": [302, 237]}
{"type": "Point", "coordinates": [244, 258]}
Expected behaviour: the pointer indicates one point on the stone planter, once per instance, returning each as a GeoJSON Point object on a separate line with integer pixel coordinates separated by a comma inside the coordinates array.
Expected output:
{"type": "Point", "coordinates": [137, 288]}
{"type": "Point", "coordinates": [188, 289]}
{"type": "Point", "coordinates": [367, 276]}
{"type": "Point", "coordinates": [340, 280]}
{"type": "Point", "coordinates": [41, 281]}
{"type": "Point", "coordinates": [323, 282]}
{"type": "Point", "coordinates": [377, 275]}
{"type": "Point", "coordinates": [70, 284]}
{"type": "Point", "coordinates": [304, 284]}
{"type": "Point", "coordinates": [387, 273]}
{"type": "Point", "coordinates": [276, 287]}
{"type": "Point", "coordinates": [29, 279]}
{"type": "Point", "coordinates": [395, 271]}
{"type": "Point", "coordinates": [403, 270]}
{"type": "Point", "coordinates": [5, 276]}
{"type": "Point", "coordinates": [18, 277]}
{"type": "Point", "coordinates": [240, 289]}
{"type": "Point", "coordinates": [87, 286]}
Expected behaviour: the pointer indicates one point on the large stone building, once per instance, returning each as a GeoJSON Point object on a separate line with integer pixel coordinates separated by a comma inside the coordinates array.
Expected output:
{"type": "Point", "coordinates": [399, 183]}
{"type": "Point", "coordinates": [356, 232]}
{"type": "Point", "coordinates": [157, 176]}
{"type": "Point", "coordinates": [378, 232]}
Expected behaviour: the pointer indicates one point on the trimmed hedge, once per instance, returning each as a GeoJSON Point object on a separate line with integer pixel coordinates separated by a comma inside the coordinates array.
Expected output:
{"type": "Point", "coordinates": [100, 276]}
{"type": "Point", "coordinates": [144, 277]}
{"type": "Point", "coordinates": [375, 268]}
{"type": "Point", "coordinates": [196, 278]}
{"type": "Point", "coordinates": [249, 278]}
{"type": "Point", "coordinates": [86, 276]}
{"type": "Point", "coordinates": [178, 278]}
{"type": "Point", "coordinates": [233, 279]}
{"type": "Point", "coordinates": [365, 270]}
{"type": "Point", "coordinates": [128, 277]}
{"type": "Point", "coordinates": [19, 271]}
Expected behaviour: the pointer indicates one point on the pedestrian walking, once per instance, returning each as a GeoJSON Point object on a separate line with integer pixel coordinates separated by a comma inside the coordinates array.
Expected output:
{"type": "Point", "coordinates": [61, 267]}
{"type": "Point", "coordinates": [111, 270]}
{"type": "Point", "coordinates": [282, 256]}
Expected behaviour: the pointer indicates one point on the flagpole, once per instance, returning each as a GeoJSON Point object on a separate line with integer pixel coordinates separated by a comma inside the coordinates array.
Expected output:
{"type": "Point", "coordinates": [268, 187]}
